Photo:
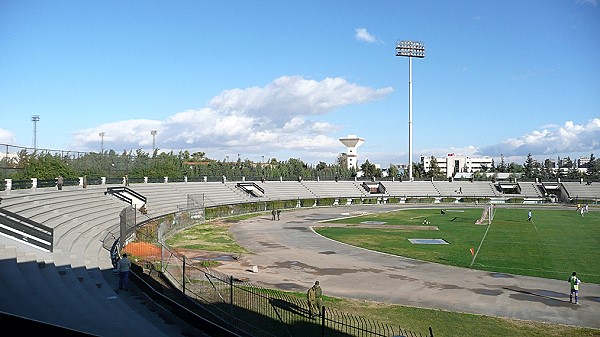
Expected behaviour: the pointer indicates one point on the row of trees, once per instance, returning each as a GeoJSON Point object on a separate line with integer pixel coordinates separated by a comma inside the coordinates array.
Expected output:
{"type": "Point", "coordinates": [46, 165]}
{"type": "Point", "coordinates": [138, 164]}
{"type": "Point", "coordinates": [531, 169]}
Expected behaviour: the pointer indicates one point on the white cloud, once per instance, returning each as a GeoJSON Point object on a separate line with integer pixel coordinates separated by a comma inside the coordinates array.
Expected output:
{"type": "Point", "coordinates": [587, 2]}
{"type": "Point", "coordinates": [274, 119]}
{"type": "Point", "coordinates": [129, 134]}
{"type": "Point", "coordinates": [443, 152]}
{"type": "Point", "coordinates": [7, 137]}
{"type": "Point", "coordinates": [552, 140]}
{"type": "Point", "coordinates": [361, 34]}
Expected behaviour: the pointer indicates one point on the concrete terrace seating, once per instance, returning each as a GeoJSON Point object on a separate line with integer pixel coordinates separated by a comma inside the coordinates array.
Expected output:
{"type": "Point", "coordinates": [332, 189]}
{"type": "Point", "coordinates": [161, 198]}
{"type": "Point", "coordinates": [166, 198]}
{"type": "Point", "coordinates": [411, 189]}
{"type": "Point", "coordinates": [465, 189]}
{"type": "Point", "coordinates": [448, 189]}
{"type": "Point", "coordinates": [79, 213]}
{"type": "Point", "coordinates": [224, 193]}
{"type": "Point", "coordinates": [65, 296]}
{"type": "Point", "coordinates": [582, 190]}
{"type": "Point", "coordinates": [69, 286]}
{"type": "Point", "coordinates": [530, 190]}
{"type": "Point", "coordinates": [285, 190]}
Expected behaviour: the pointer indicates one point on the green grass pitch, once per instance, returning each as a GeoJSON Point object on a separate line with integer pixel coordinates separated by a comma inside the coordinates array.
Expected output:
{"type": "Point", "coordinates": [553, 245]}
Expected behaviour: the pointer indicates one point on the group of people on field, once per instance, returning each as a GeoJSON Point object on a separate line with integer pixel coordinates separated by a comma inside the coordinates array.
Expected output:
{"type": "Point", "coordinates": [583, 209]}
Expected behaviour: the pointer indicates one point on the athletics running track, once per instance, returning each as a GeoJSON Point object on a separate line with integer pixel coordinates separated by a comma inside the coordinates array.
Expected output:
{"type": "Point", "coordinates": [291, 256]}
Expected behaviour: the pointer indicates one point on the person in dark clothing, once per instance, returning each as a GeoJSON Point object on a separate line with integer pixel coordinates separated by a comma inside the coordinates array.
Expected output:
{"type": "Point", "coordinates": [123, 267]}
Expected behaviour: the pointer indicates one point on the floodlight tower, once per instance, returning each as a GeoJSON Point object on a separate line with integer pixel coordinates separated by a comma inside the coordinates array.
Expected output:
{"type": "Point", "coordinates": [101, 134]}
{"type": "Point", "coordinates": [410, 49]}
{"type": "Point", "coordinates": [153, 133]}
{"type": "Point", "coordinates": [35, 119]}
{"type": "Point", "coordinates": [352, 142]}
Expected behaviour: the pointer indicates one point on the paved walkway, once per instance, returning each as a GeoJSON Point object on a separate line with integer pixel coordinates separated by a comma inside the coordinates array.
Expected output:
{"type": "Point", "coordinates": [291, 256]}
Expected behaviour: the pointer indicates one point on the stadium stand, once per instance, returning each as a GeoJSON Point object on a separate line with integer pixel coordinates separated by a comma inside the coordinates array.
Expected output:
{"type": "Point", "coordinates": [73, 286]}
{"type": "Point", "coordinates": [68, 287]}
{"type": "Point", "coordinates": [530, 190]}
{"type": "Point", "coordinates": [285, 190]}
{"type": "Point", "coordinates": [411, 189]}
{"type": "Point", "coordinates": [465, 189]}
{"type": "Point", "coordinates": [578, 190]}
{"type": "Point", "coordinates": [340, 189]}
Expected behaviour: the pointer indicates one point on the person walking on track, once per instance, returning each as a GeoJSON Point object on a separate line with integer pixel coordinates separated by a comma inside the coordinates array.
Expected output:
{"type": "Point", "coordinates": [575, 281]}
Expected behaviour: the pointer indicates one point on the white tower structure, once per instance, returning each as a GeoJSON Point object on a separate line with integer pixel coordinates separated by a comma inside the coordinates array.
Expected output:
{"type": "Point", "coordinates": [352, 142]}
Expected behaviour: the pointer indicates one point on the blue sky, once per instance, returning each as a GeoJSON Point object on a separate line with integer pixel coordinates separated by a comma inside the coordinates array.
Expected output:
{"type": "Point", "coordinates": [284, 79]}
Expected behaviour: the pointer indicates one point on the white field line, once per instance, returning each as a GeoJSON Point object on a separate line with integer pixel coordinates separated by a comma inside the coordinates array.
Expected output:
{"type": "Point", "coordinates": [480, 244]}
{"type": "Point", "coordinates": [534, 226]}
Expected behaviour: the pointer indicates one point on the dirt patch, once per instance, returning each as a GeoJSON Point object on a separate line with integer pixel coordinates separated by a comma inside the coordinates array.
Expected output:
{"type": "Point", "coordinates": [142, 249]}
{"type": "Point", "coordinates": [205, 255]}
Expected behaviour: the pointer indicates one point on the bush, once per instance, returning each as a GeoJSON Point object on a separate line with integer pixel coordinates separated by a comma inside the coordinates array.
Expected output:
{"type": "Point", "coordinates": [307, 202]}
{"type": "Point", "coordinates": [325, 201]}
{"type": "Point", "coordinates": [420, 200]}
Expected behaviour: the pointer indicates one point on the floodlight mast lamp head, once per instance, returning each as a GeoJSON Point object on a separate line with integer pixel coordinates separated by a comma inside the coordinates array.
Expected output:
{"type": "Point", "coordinates": [410, 49]}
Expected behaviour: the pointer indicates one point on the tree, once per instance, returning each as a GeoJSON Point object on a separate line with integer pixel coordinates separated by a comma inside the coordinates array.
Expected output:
{"type": "Point", "coordinates": [296, 168]}
{"type": "Point", "coordinates": [321, 166]}
{"type": "Point", "coordinates": [43, 166]}
{"type": "Point", "coordinates": [515, 168]}
{"type": "Point", "coordinates": [593, 169]}
{"type": "Point", "coordinates": [502, 166]}
{"type": "Point", "coordinates": [369, 170]}
{"type": "Point", "coordinates": [532, 167]}
{"type": "Point", "coordinates": [418, 170]}
{"type": "Point", "coordinates": [198, 156]}
{"type": "Point", "coordinates": [548, 169]}
{"type": "Point", "coordinates": [434, 169]}
{"type": "Point", "coordinates": [393, 170]}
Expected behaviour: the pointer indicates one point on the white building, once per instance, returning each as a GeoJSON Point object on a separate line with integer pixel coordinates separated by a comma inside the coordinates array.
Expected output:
{"type": "Point", "coordinates": [453, 164]}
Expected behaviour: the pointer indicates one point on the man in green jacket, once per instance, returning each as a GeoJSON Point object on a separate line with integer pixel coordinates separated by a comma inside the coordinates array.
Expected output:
{"type": "Point", "coordinates": [314, 300]}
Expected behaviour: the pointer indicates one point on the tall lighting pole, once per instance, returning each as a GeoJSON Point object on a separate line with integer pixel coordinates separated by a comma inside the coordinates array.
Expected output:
{"type": "Point", "coordinates": [35, 119]}
{"type": "Point", "coordinates": [410, 49]}
{"type": "Point", "coordinates": [101, 134]}
{"type": "Point", "coordinates": [153, 133]}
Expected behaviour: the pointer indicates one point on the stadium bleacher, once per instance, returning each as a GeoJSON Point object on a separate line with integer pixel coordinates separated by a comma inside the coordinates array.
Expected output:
{"type": "Point", "coordinates": [74, 286]}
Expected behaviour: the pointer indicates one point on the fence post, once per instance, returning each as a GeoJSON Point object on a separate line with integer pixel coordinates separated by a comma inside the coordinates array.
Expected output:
{"type": "Point", "coordinates": [231, 321]}
{"type": "Point", "coordinates": [183, 276]}
{"type": "Point", "coordinates": [430, 332]}
{"type": "Point", "coordinates": [162, 254]}
{"type": "Point", "coordinates": [323, 321]}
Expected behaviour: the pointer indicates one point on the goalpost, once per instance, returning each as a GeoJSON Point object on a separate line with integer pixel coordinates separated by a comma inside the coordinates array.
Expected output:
{"type": "Point", "coordinates": [488, 214]}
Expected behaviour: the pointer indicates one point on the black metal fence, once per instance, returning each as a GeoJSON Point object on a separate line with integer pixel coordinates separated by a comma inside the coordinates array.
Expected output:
{"type": "Point", "coordinates": [265, 312]}
{"type": "Point", "coordinates": [243, 306]}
